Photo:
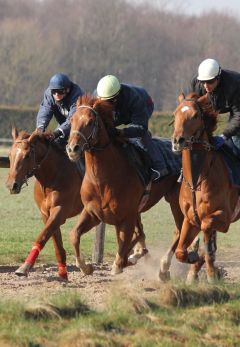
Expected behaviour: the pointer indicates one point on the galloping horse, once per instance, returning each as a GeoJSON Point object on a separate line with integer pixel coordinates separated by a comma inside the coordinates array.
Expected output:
{"type": "Point", "coordinates": [56, 192]}
{"type": "Point", "coordinates": [208, 199]}
{"type": "Point", "coordinates": [111, 190]}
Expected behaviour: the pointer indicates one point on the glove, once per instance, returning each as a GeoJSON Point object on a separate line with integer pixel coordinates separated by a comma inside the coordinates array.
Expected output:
{"type": "Point", "coordinates": [223, 137]}
{"type": "Point", "coordinates": [57, 133]}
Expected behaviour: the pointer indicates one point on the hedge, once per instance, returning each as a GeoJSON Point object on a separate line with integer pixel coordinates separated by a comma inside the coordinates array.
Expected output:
{"type": "Point", "coordinates": [24, 118]}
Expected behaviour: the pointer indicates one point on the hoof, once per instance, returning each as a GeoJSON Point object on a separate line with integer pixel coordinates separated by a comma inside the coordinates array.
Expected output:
{"type": "Point", "coordinates": [23, 270]}
{"type": "Point", "coordinates": [132, 259]}
{"type": "Point", "coordinates": [88, 269]}
{"type": "Point", "coordinates": [164, 276]}
{"type": "Point", "coordinates": [116, 269]}
{"type": "Point", "coordinates": [63, 277]}
{"type": "Point", "coordinates": [193, 257]}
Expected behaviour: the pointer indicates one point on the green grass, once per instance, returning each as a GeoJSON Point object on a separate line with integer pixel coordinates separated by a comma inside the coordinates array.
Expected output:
{"type": "Point", "coordinates": [127, 320]}
{"type": "Point", "coordinates": [21, 223]}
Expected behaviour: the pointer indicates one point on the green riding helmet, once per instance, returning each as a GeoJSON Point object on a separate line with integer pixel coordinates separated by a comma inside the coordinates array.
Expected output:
{"type": "Point", "coordinates": [108, 87]}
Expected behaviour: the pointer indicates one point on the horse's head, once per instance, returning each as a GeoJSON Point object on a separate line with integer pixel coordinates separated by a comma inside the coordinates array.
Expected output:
{"type": "Point", "coordinates": [23, 159]}
{"type": "Point", "coordinates": [193, 119]}
{"type": "Point", "coordinates": [89, 126]}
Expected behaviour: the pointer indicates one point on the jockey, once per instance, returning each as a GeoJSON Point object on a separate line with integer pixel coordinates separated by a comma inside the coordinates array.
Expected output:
{"type": "Point", "coordinates": [133, 107]}
{"type": "Point", "coordinates": [59, 101]}
{"type": "Point", "coordinates": [223, 88]}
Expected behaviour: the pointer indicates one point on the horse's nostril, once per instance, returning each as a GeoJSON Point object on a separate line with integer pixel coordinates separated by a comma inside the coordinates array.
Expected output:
{"type": "Point", "coordinates": [76, 148]}
{"type": "Point", "coordinates": [181, 140]}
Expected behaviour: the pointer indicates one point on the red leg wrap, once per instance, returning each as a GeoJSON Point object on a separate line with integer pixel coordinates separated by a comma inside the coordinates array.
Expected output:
{"type": "Point", "coordinates": [32, 256]}
{"type": "Point", "coordinates": [62, 271]}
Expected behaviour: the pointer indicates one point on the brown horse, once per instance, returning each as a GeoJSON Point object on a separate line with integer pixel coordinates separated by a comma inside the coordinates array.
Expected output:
{"type": "Point", "coordinates": [207, 198]}
{"type": "Point", "coordinates": [111, 190]}
{"type": "Point", "coordinates": [56, 192]}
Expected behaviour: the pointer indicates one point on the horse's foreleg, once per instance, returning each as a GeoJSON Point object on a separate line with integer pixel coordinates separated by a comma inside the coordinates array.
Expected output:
{"type": "Point", "coordinates": [210, 242]}
{"type": "Point", "coordinates": [165, 262]}
{"type": "Point", "coordinates": [187, 235]}
{"type": "Point", "coordinates": [124, 236]}
{"type": "Point", "coordinates": [60, 254]}
{"type": "Point", "coordinates": [138, 245]}
{"type": "Point", "coordinates": [85, 223]}
{"type": "Point", "coordinates": [52, 224]}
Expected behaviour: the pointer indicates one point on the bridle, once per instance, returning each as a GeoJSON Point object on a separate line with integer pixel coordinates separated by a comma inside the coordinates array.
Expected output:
{"type": "Point", "coordinates": [196, 137]}
{"type": "Point", "coordinates": [195, 142]}
{"type": "Point", "coordinates": [36, 166]}
{"type": "Point", "coordinates": [86, 146]}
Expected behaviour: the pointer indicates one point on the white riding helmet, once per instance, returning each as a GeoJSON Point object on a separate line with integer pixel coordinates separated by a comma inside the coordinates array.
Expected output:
{"type": "Point", "coordinates": [208, 69]}
{"type": "Point", "coordinates": [108, 87]}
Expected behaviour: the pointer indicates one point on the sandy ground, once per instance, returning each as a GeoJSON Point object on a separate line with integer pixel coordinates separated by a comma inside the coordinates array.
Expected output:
{"type": "Point", "coordinates": [43, 281]}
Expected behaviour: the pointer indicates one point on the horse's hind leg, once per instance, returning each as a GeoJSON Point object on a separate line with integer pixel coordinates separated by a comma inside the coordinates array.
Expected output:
{"type": "Point", "coordinates": [138, 244]}
{"type": "Point", "coordinates": [210, 242]}
{"type": "Point", "coordinates": [124, 237]}
{"type": "Point", "coordinates": [165, 262]}
{"type": "Point", "coordinates": [60, 254]}
{"type": "Point", "coordinates": [194, 269]}
{"type": "Point", "coordinates": [85, 223]}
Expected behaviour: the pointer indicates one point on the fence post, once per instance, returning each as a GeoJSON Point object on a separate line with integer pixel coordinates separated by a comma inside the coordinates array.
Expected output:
{"type": "Point", "coordinates": [98, 248]}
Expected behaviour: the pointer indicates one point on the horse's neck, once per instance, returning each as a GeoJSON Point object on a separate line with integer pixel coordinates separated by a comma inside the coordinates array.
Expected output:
{"type": "Point", "coordinates": [49, 166]}
{"type": "Point", "coordinates": [196, 165]}
{"type": "Point", "coordinates": [105, 164]}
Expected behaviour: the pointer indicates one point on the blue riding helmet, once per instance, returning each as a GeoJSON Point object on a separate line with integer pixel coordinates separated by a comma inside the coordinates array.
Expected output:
{"type": "Point", "coordinates": [59, 81]}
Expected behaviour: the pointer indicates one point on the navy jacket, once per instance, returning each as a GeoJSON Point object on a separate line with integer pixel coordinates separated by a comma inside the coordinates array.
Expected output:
{"type": "Point", "coordinates": [225, 98]}
{"type": "Point", "coordinates": [61, 111]}
{"type": "Point", "coordinates": [134, 108]}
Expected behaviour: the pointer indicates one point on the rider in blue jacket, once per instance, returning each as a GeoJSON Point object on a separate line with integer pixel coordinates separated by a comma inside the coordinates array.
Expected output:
{"type": "Point", "coordinates": [133, 107]}
{"type": "Point", "coordinates": [59, 101]}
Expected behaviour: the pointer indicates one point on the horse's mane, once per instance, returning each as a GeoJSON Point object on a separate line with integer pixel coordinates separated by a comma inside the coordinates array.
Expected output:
{"type": "Point", "coordinates": [209, 114]}
{"type": "Point", "coordinates": [103, 107]}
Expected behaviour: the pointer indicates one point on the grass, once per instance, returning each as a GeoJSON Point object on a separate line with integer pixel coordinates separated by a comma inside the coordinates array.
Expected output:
{"type": "Point", "coordinates": [128, 319]}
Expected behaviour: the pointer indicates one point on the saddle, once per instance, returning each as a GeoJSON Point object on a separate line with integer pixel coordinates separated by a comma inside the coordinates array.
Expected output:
{"type": "Point", "coordinates": [139, 159]}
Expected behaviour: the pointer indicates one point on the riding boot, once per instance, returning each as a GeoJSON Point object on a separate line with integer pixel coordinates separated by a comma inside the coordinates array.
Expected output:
{"type": "Point", "coordinates": [159, 168]}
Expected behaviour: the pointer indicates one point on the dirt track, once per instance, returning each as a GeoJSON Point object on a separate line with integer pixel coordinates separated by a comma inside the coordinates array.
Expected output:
{"type": "Point", "coordinates": [43, 280]}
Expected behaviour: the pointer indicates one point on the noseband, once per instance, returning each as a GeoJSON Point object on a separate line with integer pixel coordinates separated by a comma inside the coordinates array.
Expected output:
{"type": "Point", "coordinates": [86, 146]}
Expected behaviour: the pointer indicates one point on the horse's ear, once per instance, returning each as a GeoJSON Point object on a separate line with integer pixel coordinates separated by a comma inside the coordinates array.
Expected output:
{"type": "Point", "coordinates": [14, 133]}
{"type": "Point", "coordinates": [204, 101]}
{"type": "Point", "coordinates": [181, 98]}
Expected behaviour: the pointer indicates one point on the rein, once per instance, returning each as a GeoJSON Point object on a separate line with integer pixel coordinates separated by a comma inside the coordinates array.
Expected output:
{"type": "Point", "coordinates": [36, 166]}
{"type": "Point", "coordinates": [87, 145]}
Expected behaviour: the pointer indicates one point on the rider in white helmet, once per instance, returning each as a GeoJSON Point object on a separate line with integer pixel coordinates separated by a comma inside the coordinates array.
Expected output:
{"type": "Point", "coordinates": [132, 107]}
{"type": "Point", "coordinates": [223, 88]}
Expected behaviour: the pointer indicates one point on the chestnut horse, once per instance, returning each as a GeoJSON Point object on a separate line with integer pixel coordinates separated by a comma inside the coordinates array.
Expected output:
{"type": "Point", "coordinates": [111, 190]}
{"type": "Point", "coordinates": [207, 197]}
{"type": "Point", "coordinates": [56, 192]}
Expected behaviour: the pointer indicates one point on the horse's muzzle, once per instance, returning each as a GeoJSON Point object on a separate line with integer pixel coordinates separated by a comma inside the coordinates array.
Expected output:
{"type": "Point", "coordinates": [14, 187]}
{"type": "Point", "coordinates": [74, 152]}
{"type": "Point", "coordinates": [178, 144]}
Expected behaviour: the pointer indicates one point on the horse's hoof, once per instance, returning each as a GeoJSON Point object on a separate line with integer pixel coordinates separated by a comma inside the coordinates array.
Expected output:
{"type": "Point", "coordinates": [88, 269]}
{"type": "Point", "coordinates": [164, 276]}
{"type": "Point", "coordinates": [116, 270]}
{"type": "Point", "coordinates": [193, 257]}
{"type": "Point", "coordinates": [132, 259]}
{"type": "Point", "coordinates": [63, 277]}
{"type": "Point", "coordinates": [23, 270]}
